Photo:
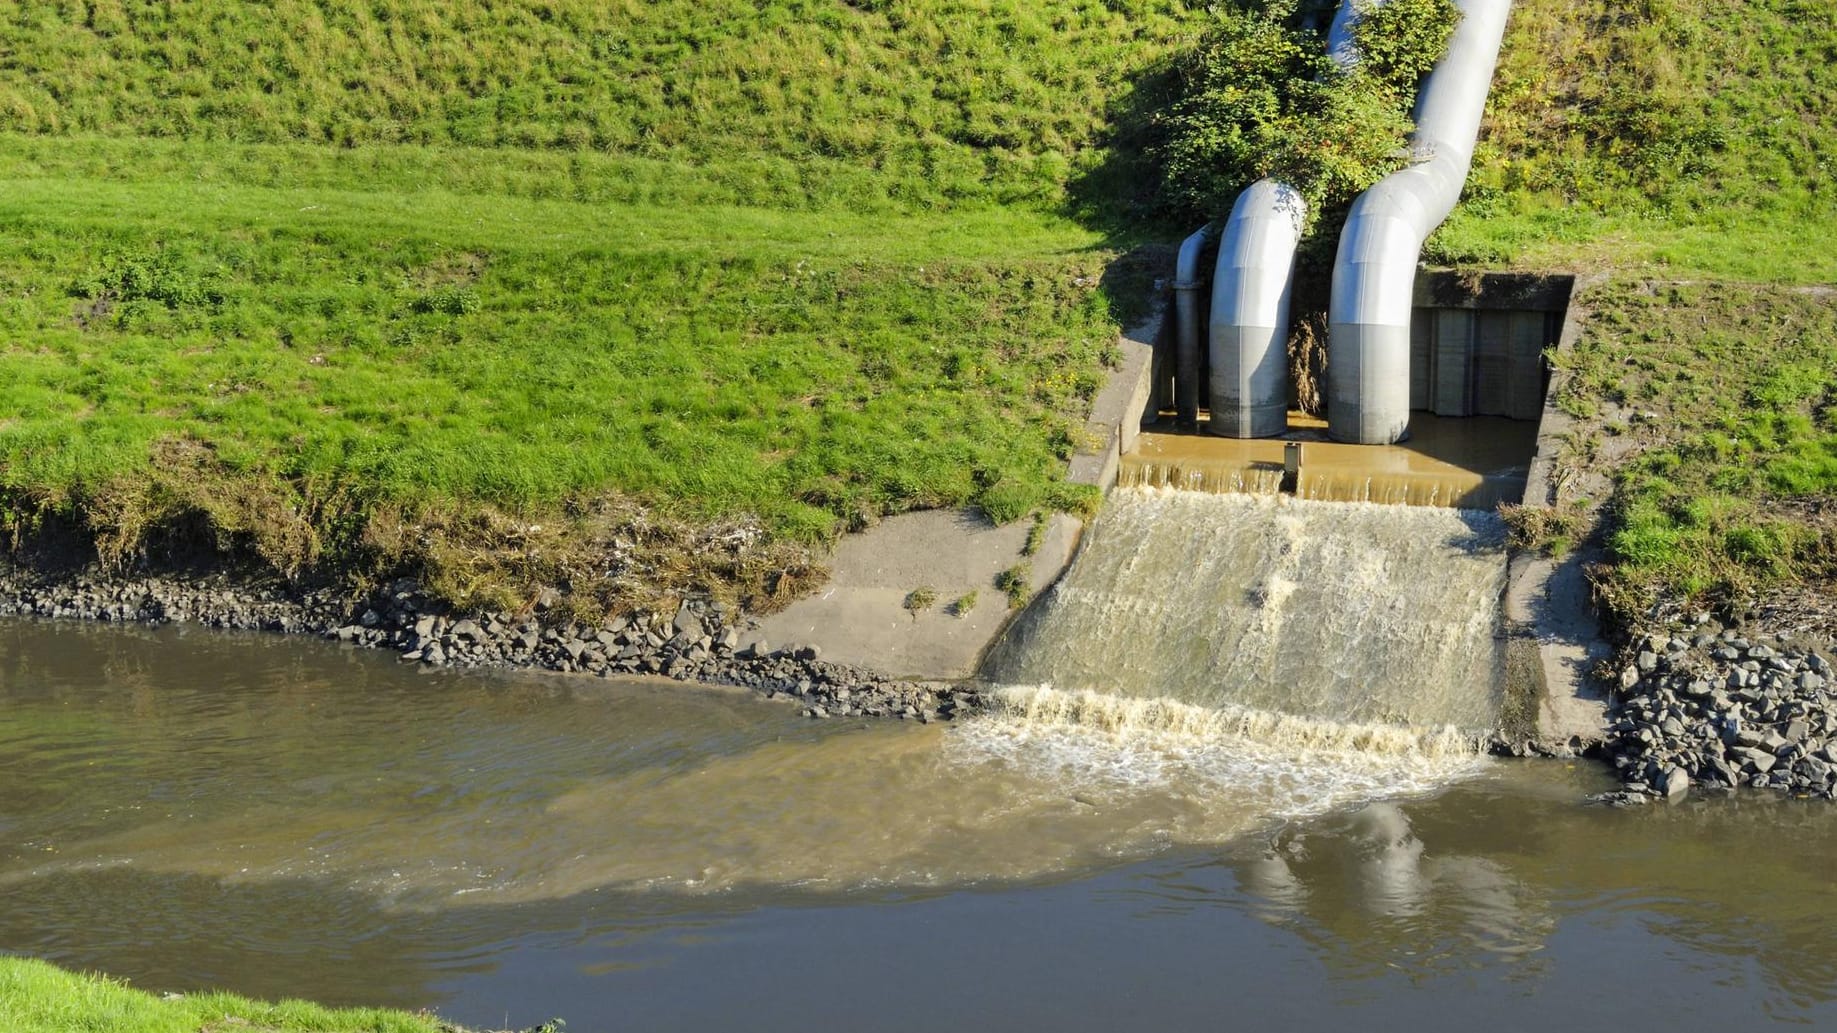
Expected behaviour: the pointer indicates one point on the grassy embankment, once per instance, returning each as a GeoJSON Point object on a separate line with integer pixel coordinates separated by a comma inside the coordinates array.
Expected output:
{"type": "Point", "coordinates": [646, 296]}
{"type": "Point", "coordinates": [1681, 149]}
{"type": "Point", "coordinates": [636, 298]}
{"type": "Point", "coordinates": [36, 997]}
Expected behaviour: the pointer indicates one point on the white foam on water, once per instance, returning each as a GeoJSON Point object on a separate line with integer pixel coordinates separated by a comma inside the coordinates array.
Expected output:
{"type": "Point", "coordinates": [1273, 766]}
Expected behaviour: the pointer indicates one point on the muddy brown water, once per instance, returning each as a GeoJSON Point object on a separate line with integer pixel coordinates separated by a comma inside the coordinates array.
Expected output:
{"type": "Point", "coordinates": [1473, 462]}
{"type": "Point", "coordinates": [190, 809]}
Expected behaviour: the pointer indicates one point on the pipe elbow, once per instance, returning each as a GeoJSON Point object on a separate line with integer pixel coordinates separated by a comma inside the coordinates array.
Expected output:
{"type": "Point", "coordinates": [1256, 257]}
{"type": "Point", "coordinates": [1186, 261]}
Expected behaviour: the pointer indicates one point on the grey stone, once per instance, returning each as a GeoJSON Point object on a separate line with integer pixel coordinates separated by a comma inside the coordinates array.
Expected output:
{"type": "Point", "coordinates": [1760, 760]}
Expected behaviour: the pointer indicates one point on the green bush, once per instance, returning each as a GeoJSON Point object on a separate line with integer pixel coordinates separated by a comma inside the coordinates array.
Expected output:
{"type": "Point", "coordinates": [1259, 97]}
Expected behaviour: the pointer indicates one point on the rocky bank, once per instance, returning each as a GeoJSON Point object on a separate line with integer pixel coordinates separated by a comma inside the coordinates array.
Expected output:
{"type": "Point", "coordinates": [1716, 708]}
{"type": "Point", "coordinates": [698, 641]}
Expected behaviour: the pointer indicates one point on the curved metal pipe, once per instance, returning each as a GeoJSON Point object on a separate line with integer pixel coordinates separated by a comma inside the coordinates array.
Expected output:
{"type": "Point", "coordinates": [1342, 49]}
{"type": "Point", "coordinates": [1250, 300]}
{"type": "Point", "coordinates": [1251, 288]}
{"type": "Point", "coordinates": [1374, 273]}
{"type": "Point", "coordinates": [1187, 284]}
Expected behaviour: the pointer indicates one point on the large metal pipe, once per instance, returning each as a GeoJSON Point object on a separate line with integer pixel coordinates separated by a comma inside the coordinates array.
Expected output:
{"type": "Point", "coordinates": [1374, 273]}
{"type": "Point", "coordinates": [1250, 302]}
{"type": "Point", "coordinates": [1187, 284]}
{"type": "Point", "coordinates": [1248, 343]}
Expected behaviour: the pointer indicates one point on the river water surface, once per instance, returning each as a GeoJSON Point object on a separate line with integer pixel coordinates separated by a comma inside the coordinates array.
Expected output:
{"type": "Point", "coordinates": [192, 809]}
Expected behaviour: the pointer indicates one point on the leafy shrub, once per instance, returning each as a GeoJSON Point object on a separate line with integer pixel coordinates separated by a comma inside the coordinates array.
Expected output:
{"type": "Point", "coordinates": [161, 275]}
{"type": "Point", "coordinates": [1259, 97]}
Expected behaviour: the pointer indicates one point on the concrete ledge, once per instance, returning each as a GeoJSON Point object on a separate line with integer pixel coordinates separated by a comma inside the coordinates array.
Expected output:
{"type": "Point", "coordinates": [1553, 641]}
{"type": "Point", "coordinates": [860, 617]}
{"type": "Point", "coordinates": [1120, 408]}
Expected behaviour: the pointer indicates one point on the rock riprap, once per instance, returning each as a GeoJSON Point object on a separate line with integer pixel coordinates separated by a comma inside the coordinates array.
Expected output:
{"type": "Point", "coordinates": [698, 641]}
{"type": "Point", "coordinates": [1716, 709]}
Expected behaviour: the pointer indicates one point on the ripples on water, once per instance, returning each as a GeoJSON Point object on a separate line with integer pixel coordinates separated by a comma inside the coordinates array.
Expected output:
{"type": "Point", "coordinates": [285, 818]}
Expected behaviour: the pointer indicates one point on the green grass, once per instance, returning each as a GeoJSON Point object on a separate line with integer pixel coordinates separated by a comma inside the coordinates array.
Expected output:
{"type": "Point", "coordinates": [398, 285]}
{"type": "Point", "coordinates": [339, 285]}
{"type": "Point", "coordinates": [36, 997]}
{"type": "Point", "coordinates": [514, 351]}
{"type": "Point", "coordinates": [817, 101]}
{"type": "Point", "coordinates": [350, 350]}
{"type": "Point", "coordinates": [1675, 138]}
{"type": "Point", "coordinates": [1730, 394]}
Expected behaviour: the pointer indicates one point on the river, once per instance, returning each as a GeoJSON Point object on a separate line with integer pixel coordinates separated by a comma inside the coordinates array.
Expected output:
{"type": "Point", "coordinates": [186, 809]}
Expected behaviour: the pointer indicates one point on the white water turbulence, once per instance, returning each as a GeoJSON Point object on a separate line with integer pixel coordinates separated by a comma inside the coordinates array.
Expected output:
{"type": "Point", "coordinates": [1303, 655]}
{"type": "Point", "coordinates": [1349, 613]}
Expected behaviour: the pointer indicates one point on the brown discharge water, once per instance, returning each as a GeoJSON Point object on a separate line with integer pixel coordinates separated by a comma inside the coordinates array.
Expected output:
{"type": "Point", "coordinates": [519, 789]}
{"type": "Point", "coordinates": [1471, 463]}
{"type": "Point", "coordinates": [288, 818]}
{"type": "Point", "coordinates": [1221, 663]}
{"type": "Point", "coordinates": [1341, 612]}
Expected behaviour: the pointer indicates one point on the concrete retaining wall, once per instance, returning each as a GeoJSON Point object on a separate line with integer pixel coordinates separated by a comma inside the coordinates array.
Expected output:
{"type": "Point", "coordinates": [1553, 641]}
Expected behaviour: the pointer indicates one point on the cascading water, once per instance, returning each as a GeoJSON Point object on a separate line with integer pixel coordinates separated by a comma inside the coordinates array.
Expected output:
{"type": "Point", "coordinates": [1327, 647]}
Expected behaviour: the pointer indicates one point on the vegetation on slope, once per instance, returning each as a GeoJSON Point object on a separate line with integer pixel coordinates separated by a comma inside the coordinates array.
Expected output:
{"type": "Point", "coordinates": [1258, 96]}
{"type": "Point", "coordinates": [1681, 138]}
{"type": "Point", "coordinates": [1676, 147]}
{"type": "Point", "coordinates": [1723, 400]}
{"type": "Point", "coordinates": [316, 370]}
{"type": "Point", "coordinates": [500, 290]}
{"type": "Point", "coordinates": [36, 997]}
{"type": "Point", "coordinates": [805, 102]}
{"type": "Point", "coordinates": [632, 298]}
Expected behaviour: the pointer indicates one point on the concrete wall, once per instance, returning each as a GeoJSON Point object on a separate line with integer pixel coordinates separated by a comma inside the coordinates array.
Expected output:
{"type": "Point", "coordinates": [1553, 643]}
{"type": "Point", "coordinates": [1477, 344]}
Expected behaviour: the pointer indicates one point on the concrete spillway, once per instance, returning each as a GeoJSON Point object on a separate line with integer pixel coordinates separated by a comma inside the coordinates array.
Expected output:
{"type": "Point", "coordinates": [1349, 614]}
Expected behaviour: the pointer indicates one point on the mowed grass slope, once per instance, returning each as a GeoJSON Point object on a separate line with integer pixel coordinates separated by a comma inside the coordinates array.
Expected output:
{"type": "Point", "coordinates": [803, 101]}
{"type": "Point", "coordinates": [512, 351]}
{"type": "Point", "coordinates": [297, 268]}
{"type": "Point", "coordinates": [1681, 138]}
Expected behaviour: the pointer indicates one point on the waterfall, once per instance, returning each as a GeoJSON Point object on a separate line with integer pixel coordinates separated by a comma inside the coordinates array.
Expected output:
{"type": "Point", "coordinates": [1272, 618]}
